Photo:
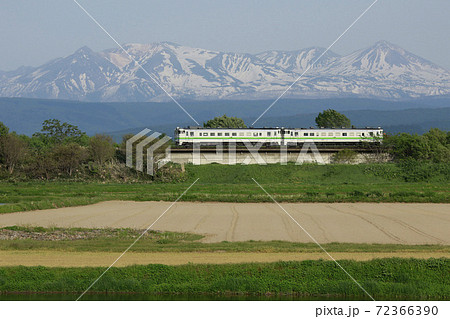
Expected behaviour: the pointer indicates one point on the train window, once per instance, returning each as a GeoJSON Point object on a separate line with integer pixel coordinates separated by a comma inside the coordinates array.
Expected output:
{"type": "Point", "coordinates": [219, 134]}
{"type": "Point", "coordinates": [292, 133]}
{"type": "Point", "coordinates": [227, 134]}
{"type": "Point", "coordinates": [362, 134]}
{"type": "Point", "coordinates": [213, 134]}
{"type": "Point", "coordinates": [323, 134]}
{"type": "Point", "coordinates": [200, 134]}
{"type": "Point", "coordinates": [241, 133]}
{"type": "Point", "coordinates": [268, 133]}
{"type": "Point", "coordinates": [311, 134]}
{"type": "Point", "coordinates": [187, 134]}
{"type": "Point", "coordinates": [344, 134]}
{"type": "Point", "coordinates": [287, 132]}
{"type": "Point", "coordinates": [330, 134]}
{"type": "Point", "coordinates": [249, 134]}
{"type": "Point", "coordinates": [296, 133]}
{"type": "Point", "coordinates": [205, 134]}
{"type": "Point", "coordinates": [305, 134]}
{"type": "Point", "coordinates": [260, 134]}
{"type": "Point", "coordinates": [234, 134]}
{"type": "Point", "coordinates": [255, 134]}
{"type": "Point", "coordinates": [274, 133]}
{"type": "Point", "coordinates": [371, 133]}
{"type": "Point", "coordinates": [192, 133]}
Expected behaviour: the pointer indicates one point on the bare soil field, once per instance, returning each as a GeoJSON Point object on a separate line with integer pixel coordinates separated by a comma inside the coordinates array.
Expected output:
{"type": "Point", "coordinates": [384, 223]}
{"type": "Point", "coordinates": [104, 259]}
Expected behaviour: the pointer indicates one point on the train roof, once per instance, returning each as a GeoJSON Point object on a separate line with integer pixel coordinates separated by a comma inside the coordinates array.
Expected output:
{"type": "Point", "coordinates": [275, 128]}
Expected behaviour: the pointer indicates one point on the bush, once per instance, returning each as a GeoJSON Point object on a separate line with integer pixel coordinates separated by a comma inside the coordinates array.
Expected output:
{"type": "Point", "coordinates": [101, 148]}
{"type": "Point", "coordinates": [169, 173]}
{"type": "Point", "coordinates": [432, 146]}
{"type": "Point", "coordinates": [345, 157]}
{"type": "Point", "coordinates": [418, 171]}
{"type": "Point", "coordinates": [386, 171]}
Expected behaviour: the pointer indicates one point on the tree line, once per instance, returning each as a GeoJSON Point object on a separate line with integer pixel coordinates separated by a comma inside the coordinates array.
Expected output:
{"type": "Point", "coordinates": [59, 149]}
{"type": "Point", "coordinates": [62, 150]}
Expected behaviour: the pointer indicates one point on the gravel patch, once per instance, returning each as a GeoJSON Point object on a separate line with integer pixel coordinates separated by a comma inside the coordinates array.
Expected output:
{"type": "Point", "coordinates": [69, 234]}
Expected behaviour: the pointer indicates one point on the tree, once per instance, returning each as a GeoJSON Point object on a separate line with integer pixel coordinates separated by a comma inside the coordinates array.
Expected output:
{"type": "Point", "coordinates": [54, 132]}
{"type": "Point", "coordinates": [406, 146]}
{"type": "Point", "coordinates": [42, 166]}
{"type": "Point", "coordinates": [332, 118]}
{"type": "Point", "coordinates": [12, 151]}
{"type": "Point", "coordinates": [4, 130]}
{"type": "Point", "coordinates": [431, 146]}
{"type": "Point", "coordinates": [225, 122]}
{"type": "Point", "coordinates": [68, 157]}
{"type": "Point", "coordinates": [438, 146]}
{"type": "Point", "coordinates": [101, 148]}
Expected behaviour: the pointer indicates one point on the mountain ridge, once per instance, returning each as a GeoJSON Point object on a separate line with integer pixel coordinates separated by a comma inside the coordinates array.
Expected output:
{"type": "Point", "coordinates": [383, 70]}
{"type": "Point", "coordinates": [25, 116]}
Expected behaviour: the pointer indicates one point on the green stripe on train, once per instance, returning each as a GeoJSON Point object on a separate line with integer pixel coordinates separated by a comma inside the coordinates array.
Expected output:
{"type": "Point", "coordinates": [277, 138]}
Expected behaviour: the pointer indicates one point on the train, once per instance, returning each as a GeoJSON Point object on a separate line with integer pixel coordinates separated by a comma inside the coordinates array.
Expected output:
{"type": "Point", "coordinates": [278, 136]}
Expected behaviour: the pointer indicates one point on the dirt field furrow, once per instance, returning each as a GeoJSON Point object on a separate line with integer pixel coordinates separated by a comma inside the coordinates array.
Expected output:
{"type": "Point", "coordinates": [104, 259]}
{"type": "Point", "coordinates": [387, 223]}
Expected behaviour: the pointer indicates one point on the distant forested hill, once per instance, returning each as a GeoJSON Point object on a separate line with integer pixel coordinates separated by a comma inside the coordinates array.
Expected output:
{"type": "Point", "coordinates": [417, 120]}
{"type": "Point", "coordinates": [25, 116]}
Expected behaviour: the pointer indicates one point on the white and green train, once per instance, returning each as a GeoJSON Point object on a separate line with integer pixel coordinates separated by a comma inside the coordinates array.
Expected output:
{"type": "Point", "coordinates": [276, 135]}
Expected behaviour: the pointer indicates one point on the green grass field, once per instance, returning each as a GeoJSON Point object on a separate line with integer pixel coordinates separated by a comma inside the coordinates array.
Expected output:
{"type": "Point", "coordinates": [410, 279]}
{"type": "Point", "coordinates": [117, 240]}
{"type": "Point", "coordinates": [384, 278]}
{"type": "Point", "coordinates": [290, 183]}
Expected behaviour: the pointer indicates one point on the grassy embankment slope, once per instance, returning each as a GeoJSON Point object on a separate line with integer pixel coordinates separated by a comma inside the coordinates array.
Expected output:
{"type": "Point", "coordinates": [384, 279]}
{"type": "Point", "coordinates": [291, 183]}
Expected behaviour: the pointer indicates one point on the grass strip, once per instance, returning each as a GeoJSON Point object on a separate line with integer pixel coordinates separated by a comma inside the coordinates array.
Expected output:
{"type": "Point", "coordinates": [163, 245]}
{"type": "Point", "coordinates": [233, 183]}
{"type": "Point", "coordinates": [118, 239]}
{"type": "Point", "coordinates": [410, 279]}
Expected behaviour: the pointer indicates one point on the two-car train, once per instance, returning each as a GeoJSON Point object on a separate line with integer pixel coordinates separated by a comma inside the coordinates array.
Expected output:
{"type": "Point", "coordinates": [276, 135]}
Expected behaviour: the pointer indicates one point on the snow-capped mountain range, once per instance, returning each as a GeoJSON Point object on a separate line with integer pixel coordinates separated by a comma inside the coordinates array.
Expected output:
{"type": "Point", "coordinates": [382, 71]}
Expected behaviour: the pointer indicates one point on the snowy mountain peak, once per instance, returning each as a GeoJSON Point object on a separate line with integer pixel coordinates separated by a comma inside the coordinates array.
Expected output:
{"type": "Point", "coordinates": [386, 59]}
{"type": "Point", "coordinates": [299, 60]}
{"type": "Point", "coordinates": [383, 70]}
{"type": "Point", "coordinates": [388, 53]}
{"type": "Point", "coordinates": [84, 50]}
{"type": "Point", "coordinates": [386, 45]}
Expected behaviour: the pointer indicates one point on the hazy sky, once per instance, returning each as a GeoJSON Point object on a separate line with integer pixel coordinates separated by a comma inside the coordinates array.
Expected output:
{"type": "Point", "coordinates": [35, 31]}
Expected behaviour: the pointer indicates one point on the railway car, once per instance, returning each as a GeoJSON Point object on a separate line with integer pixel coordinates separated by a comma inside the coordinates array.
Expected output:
{"type": "Point", "coordinates": [276, 135]}
{"type": "Point", "coordinates": [207, 136]}
{"type": "Point", "coordinates": [342, 136]}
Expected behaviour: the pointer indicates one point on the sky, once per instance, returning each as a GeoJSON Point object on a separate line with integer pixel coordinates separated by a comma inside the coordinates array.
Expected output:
{"type": "Point", "coordinates": [33, 32]}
